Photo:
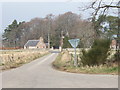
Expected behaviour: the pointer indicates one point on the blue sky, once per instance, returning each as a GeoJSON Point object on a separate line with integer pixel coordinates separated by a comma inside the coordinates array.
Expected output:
{"type": "Point", "coordinates": [25, 11]}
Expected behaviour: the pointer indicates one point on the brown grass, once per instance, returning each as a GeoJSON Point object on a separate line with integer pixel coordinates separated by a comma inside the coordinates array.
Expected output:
{"type": "Point", "coordinates": [13, 59]}
{"type": "Point", "coordinates": [63, 64]}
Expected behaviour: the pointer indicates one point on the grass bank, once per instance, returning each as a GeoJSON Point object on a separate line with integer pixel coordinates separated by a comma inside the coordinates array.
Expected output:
{"type": "Point", "coordinates": [67, 65]}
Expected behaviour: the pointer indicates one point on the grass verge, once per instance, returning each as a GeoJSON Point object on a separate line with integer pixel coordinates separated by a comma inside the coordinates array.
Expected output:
{"type": "Point", "coordinates": [68, 67]}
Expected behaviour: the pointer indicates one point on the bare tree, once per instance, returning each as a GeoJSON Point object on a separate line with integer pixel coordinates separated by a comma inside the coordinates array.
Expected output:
{"type": "Point", "coordinates": [53, 28]}
{"type": "Point", "coordinates": [83, 30]}
{"type": "Point", "coordinates": [100, 7]}
{"type": "Point", "coordinates": [66, 21]}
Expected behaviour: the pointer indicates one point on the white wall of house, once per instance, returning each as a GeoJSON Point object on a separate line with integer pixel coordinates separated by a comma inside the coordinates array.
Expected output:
{"type": "Point", "coordinates": [30, 47]}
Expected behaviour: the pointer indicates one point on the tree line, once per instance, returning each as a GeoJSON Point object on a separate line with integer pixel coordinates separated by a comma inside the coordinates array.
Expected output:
{"type": "Point", "coordinates": [64, 26]}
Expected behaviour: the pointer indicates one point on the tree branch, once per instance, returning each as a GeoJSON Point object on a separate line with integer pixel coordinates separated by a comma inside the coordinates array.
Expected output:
{"type": "Point", "coordinates": [109, 6]}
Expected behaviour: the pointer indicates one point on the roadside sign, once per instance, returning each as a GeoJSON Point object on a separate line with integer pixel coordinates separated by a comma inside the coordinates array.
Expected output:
{"type": "Point", "coordinates": [74, 42]}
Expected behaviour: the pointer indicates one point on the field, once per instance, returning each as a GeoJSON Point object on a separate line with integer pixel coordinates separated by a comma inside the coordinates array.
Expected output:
{"type": "Point", "coordinates": [14, 58]}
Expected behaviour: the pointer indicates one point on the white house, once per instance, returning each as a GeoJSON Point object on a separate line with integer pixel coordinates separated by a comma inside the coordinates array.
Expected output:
{"type": "Point", "coordinates": [33, 44]}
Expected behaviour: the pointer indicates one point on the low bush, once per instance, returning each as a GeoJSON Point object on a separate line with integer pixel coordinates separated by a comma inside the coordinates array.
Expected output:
{"type": "Point", "coordinates": [98, 53]}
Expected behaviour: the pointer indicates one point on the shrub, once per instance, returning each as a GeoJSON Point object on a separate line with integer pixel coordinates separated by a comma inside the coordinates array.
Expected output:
{"type": "Point", "coordinates": [66, 44]}
{"type": "Point", "coordinates": [97, 54]}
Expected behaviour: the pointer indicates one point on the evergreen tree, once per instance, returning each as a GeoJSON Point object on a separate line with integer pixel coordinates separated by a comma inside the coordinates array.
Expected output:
{"type": "Point", "coordinates": [66, 44]}
{"type": "Point", "coordinates": [11, 34]}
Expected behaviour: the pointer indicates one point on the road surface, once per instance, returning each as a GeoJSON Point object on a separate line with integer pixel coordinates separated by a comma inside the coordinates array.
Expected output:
{"type": "Point", "coordinates": [40, 74]}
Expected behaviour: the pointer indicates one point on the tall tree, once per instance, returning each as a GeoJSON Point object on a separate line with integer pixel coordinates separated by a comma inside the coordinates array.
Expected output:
{"type": "Point", "coordinates": [11, 34]}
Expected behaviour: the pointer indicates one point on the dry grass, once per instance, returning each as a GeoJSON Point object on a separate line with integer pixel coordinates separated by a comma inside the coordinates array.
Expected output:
{"type": "Point", "coordinates": [12, 59]}
{"type": "Point", "coordinates": [66, 56]}
{"type": "Point", "coordinates": [64, 63]}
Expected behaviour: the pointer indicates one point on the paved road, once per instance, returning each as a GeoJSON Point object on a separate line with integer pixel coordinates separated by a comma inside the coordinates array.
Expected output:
{"type": "Point", "coordinates": [40, 74]}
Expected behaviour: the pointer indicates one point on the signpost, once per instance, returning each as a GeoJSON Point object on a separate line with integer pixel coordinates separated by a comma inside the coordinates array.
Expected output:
{"type": "Point", "coordinates": [74, 43]}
